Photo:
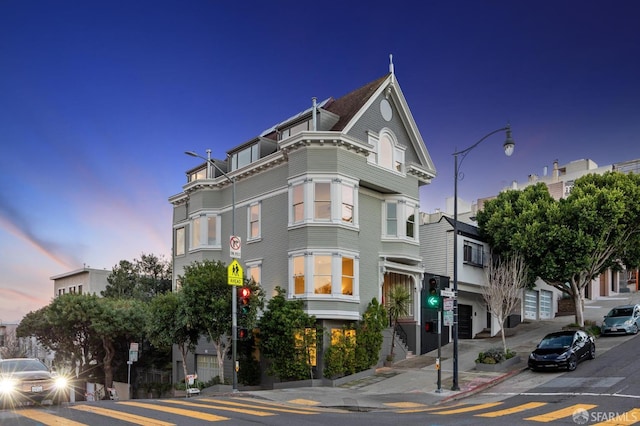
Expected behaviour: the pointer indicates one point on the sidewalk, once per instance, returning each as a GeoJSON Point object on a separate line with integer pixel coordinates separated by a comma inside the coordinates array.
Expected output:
{"type": "Point", "coordinates": [413, 382]}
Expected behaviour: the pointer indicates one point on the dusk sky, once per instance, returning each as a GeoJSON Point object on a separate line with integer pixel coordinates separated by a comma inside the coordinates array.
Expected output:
{"type": "Point", "coordinates": [100, 99]}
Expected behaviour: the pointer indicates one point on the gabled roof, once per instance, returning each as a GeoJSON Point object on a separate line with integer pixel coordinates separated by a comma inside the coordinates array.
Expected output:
{"type": "Point", "coordinates": [348, 105]}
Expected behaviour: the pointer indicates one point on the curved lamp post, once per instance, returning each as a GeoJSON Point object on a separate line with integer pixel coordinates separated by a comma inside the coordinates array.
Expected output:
{"type": "Point", "coordinates": [234, 296]}
{"type": "Point", "coordinates": [508, 146]}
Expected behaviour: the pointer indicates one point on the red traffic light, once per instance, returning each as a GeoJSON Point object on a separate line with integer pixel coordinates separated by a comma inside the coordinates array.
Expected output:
{"type": "Point", "coordinates": [245, 292]}
{"type": "Point", "coordinates": [243, 333]}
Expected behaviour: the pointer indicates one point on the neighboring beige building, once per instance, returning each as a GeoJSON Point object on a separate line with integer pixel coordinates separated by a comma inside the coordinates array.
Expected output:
{"type": "Point", "coordinates": [81, 281]}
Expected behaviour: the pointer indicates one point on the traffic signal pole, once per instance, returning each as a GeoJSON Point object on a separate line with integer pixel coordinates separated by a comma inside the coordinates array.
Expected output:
{"type": "Point", "coordinates": [438, 365]}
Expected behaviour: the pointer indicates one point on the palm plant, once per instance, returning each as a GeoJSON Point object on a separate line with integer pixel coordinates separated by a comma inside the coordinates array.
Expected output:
{"type": "Point", "coordinates": [398, 303]}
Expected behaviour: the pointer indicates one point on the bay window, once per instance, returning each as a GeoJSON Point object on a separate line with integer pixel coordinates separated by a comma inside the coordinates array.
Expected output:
{"type": "Point", "coordinates": [323, 274]}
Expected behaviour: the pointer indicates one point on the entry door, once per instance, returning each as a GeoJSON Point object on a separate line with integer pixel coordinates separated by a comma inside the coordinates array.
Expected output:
{"type": "Point", "coordinates": [465, 326]}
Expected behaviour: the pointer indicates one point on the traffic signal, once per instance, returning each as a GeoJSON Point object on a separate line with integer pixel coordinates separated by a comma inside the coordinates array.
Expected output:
{"type": "Point", "coordinates": [243, 333]}
{"type": "Point", "coordinates": [244, 301]}
{"type": "Point", "coordinates": [433, 298]}
{"type": "Point", "coordinates": [430, 327]}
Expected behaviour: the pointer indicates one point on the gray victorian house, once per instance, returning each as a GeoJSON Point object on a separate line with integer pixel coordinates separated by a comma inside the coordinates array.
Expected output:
{"type": "Point", "coordinates": [326, 205]}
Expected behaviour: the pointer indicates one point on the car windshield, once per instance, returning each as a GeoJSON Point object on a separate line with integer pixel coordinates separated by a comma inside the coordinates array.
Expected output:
{"type": "Point", "coordinates": [620, 312]}
{"type": "Point", "coordinates": [563, 341]}
{"type": "Point", "coordinates": [17, 365]}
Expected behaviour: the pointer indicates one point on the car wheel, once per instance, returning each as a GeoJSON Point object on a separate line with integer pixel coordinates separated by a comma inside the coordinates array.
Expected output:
{"type": "Point", "coordinates": [572, 363]}
{"type": "Point", "coordinates": [635, 329]}
{"type": "Point", "coordinates": [592, 352]}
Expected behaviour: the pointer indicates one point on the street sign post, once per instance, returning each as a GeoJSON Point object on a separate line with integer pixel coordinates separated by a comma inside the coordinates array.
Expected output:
{"type": "Point", "coordinates": [235, 273]}
{"type": "Point", "coordinates": [235, 247]}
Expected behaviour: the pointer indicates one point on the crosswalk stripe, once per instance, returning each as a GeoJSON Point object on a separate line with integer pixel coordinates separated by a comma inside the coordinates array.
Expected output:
{"type": "Point", "coordinates": [131, 418]}
{"type": "Point", "coordinates": [47, 419]}
{"type": "Point", "coordinates": [173, 410]}
{"type": "Point", "coordinates": [469, 408]}
{"type": "Point", "coordinates": [629, 418]}
{"type": "Point", "coordinates": [264, 405]}
{"type": "Point", "coordinates": [516, 409]}
{"type": "Point", "coordinates": [221, 407]}
{"type": "Point", "coordinates": [559, 414]}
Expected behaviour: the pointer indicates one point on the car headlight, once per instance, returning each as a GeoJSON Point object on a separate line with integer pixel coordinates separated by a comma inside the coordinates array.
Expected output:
{"type": "Point", "coordinates": [61, 382]}
{"type": "Point", "coordinates": [628, 322]}
{"type": "Point", "coordinates": [532, 356]}
{"type": "Point", "coordinates": [563, 356]}
{"type": "Point", "coordinates": [7, 386]}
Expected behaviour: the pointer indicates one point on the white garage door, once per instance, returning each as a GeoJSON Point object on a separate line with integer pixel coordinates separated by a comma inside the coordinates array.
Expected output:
{"type": "Point", "coordinates": [531, 305]}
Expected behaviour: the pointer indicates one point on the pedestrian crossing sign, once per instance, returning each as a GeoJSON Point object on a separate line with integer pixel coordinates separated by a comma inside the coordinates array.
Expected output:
{"type": "Point", "coordinates": [235, 273]}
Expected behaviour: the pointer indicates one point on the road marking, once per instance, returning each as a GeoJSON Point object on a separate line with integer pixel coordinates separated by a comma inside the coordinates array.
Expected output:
{"type": "Point", "coordinates": [470, 408]}
{"type": "Point", "coordinates": [263, 405]}
{"type": "Point", "coordinates": [624, 419]}
{"type": "Point", "coordinates": [47, 419]}
{"type": "Point", "coordinates": [516, 409]}
{"type": "Point", "coordinates": [303, 402]}
{"type": "Point", "coordinates": [405, 405]}
{"type": "Point", "coordinates": [221, 407]}
{"type": "Point", "coordinates": [172, 410]}
{"type": "Point", "coordinates": [131, 418]}
{"type": "Point", "coordinates": [560, 414]}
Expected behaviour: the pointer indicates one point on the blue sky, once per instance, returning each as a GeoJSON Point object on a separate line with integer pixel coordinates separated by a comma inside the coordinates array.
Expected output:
{"type": "Point", "coordinates": [99, 100]}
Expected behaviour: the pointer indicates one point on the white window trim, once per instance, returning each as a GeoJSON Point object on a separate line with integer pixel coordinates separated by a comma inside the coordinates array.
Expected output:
{"type": "Point", "coordinates": [184, 227]}
{"type": "Point", "coordinates": [308, 185]}
{"type": "Point", "coordinates": [403, 211]}
{"type": "Point", "coordinates": [398, 152]}
{"type": "Point", "coordinates": [336, 275]}
{"type": "Point", "coordinates": [204, 236]}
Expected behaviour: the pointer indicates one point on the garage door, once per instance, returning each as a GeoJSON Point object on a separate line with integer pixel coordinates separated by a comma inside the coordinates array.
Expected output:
{"type": "Point", "coordinates": [546, 297]}
{"type": "Point", "coordinates": [531, 305]}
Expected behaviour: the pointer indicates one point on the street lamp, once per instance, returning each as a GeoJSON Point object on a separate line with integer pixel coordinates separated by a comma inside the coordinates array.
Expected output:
{"type": "Point", "coordinates": [234, 301]}
{"type": "Point", "coordinates": [508, 146]}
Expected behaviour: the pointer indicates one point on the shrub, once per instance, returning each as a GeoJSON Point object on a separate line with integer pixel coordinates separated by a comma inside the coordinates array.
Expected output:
{"type": "Point", "coordinates": [494, 356]}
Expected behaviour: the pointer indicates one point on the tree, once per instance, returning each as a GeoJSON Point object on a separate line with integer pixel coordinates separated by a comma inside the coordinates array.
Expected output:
{"type": "Point", "coordinates": [397, 306]}
{"type": "Point", "coordinates": [506, 278]}
{"type": "Point", "coordinates": [65, 326]}
{"type": "Point", "coordinates": [117, 323]}
{"type": "Point", "coordinates": [288, 338]}
{"type": "Point", "coordinates": [570, 242]}
{"type": "Point", "coordinates": [369, 337]}
{"type": "Point", "coordinates": [10, 346]}
{"type": "Point", "coordinates": [166, 326]}
{"type": "Point", "coordinates": [142, 279]}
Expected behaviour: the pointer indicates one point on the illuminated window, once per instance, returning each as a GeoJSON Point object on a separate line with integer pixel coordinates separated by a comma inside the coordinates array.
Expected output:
{"type": "Point", "coordinates": [325, 200]}
{"type": "Point", "coordinates": [298, 274]}
{"type": "Point", "coordinates": [253, 215]}
{"type": "Point", "coordinates": [306, 343]}
{"type": "Point", "coordinates": [322, 274]}
{"type": "Point", "coordinates": [327, 274]}
{"type": "Point", "coordinates": [387, 153]}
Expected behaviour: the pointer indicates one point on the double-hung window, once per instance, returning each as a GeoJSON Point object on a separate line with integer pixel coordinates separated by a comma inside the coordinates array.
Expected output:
{"type": "Point", "coordinates": [205, 231]}
{"type": "Point", "coordinates": [323, 199]}
{"type": "Point", "coordinates": [254, 222]}
{"type": "Point", "coordinates": [399, 219]}
{"type": "Point", "coordinates": [323, 274]}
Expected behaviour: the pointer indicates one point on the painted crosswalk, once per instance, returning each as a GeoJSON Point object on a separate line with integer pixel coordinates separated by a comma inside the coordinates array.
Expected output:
{"type": "Point", "coordinates": [522, 413]}
{"type": "Point", "coordinates": [177, 411]}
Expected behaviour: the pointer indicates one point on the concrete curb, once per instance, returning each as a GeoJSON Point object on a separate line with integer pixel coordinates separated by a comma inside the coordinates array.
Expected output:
{"type": "Point", "coordinates": [479, 388]}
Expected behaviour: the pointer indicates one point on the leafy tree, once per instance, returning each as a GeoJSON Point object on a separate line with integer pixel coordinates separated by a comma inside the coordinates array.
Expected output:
{"type": "Point", "coordinates": [141, 279]}
{"type": "Point", "coordinates": [288, 338]}
{"type": "Point", "coordinates": [117, 321]}
{"type": "Point", "coordinates": [506, 278]}
{"type": "Point", "coordinates": [65, 326]}
{"type": "Point", "coordinates": [397, 306]}
{"type": "Point", "coordinates": [166, 326]}
{"type": "Point", "coordinates": [570, 242]}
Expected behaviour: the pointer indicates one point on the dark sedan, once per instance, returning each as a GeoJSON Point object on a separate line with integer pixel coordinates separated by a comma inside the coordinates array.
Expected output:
{"type": "Point", "coordinates": [563, 349]}
{"type": "Point", "coordinates": [29, 381]}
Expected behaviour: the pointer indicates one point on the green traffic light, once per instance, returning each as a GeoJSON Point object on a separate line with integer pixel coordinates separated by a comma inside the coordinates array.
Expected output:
{"type": "Point", "coordinates": [433, 302]}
